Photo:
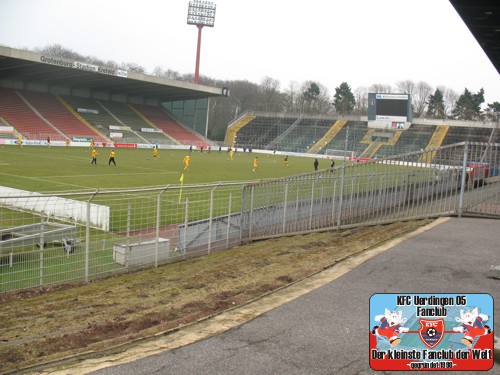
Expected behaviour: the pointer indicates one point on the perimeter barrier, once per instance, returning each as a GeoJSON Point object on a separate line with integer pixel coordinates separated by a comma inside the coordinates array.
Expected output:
{"type": "Point", "coordinates": [148, 227]}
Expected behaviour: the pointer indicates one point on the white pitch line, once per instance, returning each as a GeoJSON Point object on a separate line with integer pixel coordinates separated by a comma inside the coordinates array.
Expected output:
{"type": "Point", "coordinates": [116, 174]}
{"type": "Point", "coordinates": [43, 180]}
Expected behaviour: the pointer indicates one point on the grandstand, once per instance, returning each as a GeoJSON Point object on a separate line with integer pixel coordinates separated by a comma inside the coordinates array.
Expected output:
{"type": "Point", "coordinates": [300, 133]}
{"type": "Point", "coordinates": [45, 96]}
{"type": "Point", "coordinates": [37, 115]}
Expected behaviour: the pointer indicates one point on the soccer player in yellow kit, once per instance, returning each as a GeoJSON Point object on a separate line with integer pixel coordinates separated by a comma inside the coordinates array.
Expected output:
{"type": "Point", "coordinates": [187, 161]}
{"type": "Point", "coordinates": [94, 156]}
{"type": "Point", "coordinates": [112, 157]}
{"type": "Point", "coordinates": [255, 163]}
{"type": "Point", "coordinates": [155, 152]}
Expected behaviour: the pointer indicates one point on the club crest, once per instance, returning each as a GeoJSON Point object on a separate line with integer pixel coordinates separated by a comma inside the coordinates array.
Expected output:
{"type": "Point", "coordinates": [431, 331]}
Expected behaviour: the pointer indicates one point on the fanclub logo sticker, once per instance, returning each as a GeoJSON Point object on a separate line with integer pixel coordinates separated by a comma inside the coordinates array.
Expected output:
{"type": "Point", "coordinates": [431, 332]}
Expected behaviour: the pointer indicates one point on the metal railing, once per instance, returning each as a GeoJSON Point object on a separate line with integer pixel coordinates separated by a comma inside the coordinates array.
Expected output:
{"type": "Point", "coordinates": [113, 231]}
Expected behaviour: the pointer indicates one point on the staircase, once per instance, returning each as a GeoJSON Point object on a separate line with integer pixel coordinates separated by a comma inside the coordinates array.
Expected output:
{"type": "Point", "coordinates": [435, 141]}
{"type": "Point", "coordinates": [234, 127]}
{"type": "Point", "coordinates": [329, 135]}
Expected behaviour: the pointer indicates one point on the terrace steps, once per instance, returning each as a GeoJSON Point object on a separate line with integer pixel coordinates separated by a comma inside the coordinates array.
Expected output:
{"type": "Point", "coordinates": [233, 129]}
{"type": "Point", "coordinates": [329, 135]}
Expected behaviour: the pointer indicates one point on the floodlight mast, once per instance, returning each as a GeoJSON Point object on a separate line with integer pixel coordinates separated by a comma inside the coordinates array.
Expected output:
{"type": "Point", "coordinates": [200, 13]}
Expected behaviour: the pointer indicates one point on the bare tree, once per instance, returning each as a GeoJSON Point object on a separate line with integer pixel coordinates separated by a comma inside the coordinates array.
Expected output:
{"type": "Point", "coordinates": [406, 87]}
{"type": "Point", "coordinates": [419, 99]}
{"type": "Point", "coordinates": [133, 67]}
{"type": "Point", "coordinates": [292, 98]}
{"type": "Point", "coordinates": [361, 96]}
{"type": "Point", "coordinates": [271, 97]}
{"type": "Point", "coordinates": [57, 50]}
{"type": "Point", "coordinates": [380, 88]}
{"type": "Point", "coordinates": [168, 74]}
{"type": "Point", "coordinates": [450, 97]}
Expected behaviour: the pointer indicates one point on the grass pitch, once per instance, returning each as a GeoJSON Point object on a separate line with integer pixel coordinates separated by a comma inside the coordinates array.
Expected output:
{"type": "Point", "coordinates": [44, 169]}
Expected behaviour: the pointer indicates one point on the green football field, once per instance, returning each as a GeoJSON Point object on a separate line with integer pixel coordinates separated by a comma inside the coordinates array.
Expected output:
{"type": "Point", "coordinates": [43, 169]}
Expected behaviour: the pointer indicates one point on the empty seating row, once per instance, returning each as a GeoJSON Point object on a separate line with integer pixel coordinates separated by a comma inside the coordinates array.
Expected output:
{"type": "Point", "coordinates": [162, 120]}
{"type": "Point", "coordinates": [24, 117]}
{"type": "Point", "coordinates": [59, 116]}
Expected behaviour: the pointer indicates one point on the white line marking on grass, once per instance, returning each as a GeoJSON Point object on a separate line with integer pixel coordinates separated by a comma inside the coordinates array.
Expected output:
{"type": "Point", "coordinates": [114, 174]}
{"type": "Point", "coordinates": [43, 180]}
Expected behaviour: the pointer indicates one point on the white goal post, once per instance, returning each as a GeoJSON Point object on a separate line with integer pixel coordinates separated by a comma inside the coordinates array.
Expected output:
{"type": "Point", "coordinates": [340, 154]}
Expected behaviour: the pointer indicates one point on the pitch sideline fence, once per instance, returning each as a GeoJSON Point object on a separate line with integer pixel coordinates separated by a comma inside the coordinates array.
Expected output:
{"type": "Point", "coordinates": [153, 226]}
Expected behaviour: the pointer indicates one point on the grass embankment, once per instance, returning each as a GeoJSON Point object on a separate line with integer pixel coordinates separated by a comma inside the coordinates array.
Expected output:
{"type": "Point", "coordinates": [39, 327]}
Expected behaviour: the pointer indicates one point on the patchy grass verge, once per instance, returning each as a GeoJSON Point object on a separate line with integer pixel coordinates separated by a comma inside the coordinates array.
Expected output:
{"type": "Point", "coordinates": [38, 327]}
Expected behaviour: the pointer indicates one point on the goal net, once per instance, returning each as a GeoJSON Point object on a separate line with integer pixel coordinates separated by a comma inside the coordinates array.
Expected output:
{"type": "Point", "coordinates": [340, 154]}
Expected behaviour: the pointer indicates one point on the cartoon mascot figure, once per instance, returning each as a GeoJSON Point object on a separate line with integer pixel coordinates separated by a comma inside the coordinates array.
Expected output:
{"type": "Point", "coordinates": [390, 326]}
{"type": "Point", "coordinates": [471, 325]}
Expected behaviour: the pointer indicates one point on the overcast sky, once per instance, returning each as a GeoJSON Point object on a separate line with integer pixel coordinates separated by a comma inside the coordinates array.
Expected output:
{"type": "Point", "coordinates": [360, 42]}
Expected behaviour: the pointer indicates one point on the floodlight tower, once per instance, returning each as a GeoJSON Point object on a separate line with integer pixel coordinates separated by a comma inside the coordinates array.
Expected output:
{"type": "Point", "coordinates": [200, 13]}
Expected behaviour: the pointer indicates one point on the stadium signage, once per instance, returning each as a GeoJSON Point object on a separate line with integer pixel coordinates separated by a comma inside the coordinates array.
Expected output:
{"type": "Point", "coordinates": [83, 66]}
{"type": "Point", "coordinates": [392, 96]}
{"type": "Point", "coordinates": [86, 67]}
{"type": "Point", "coordinates": [56, 61]}
{"type": "Point", "coordinates": [115, 135]}
{"type": "Point", "coordinates": [86, 110]}
{"type": "Point", "coordinates": [125, 145]}
{"type": "Point", "coordinates": [6, 129]}
{"type": "Point", "coordinates": [151, 130]}
{"type": "Point", "coordinates": [81, 139]}
{"type": "Point", "coordinates": [118, 127]}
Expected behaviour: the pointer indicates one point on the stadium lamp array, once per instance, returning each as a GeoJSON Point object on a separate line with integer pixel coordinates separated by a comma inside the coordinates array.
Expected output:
{"type": "Point", "coordinates": [201, 13]}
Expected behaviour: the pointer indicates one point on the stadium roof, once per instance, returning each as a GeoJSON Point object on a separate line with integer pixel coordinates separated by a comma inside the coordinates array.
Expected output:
{"type": "Point", "coordinates": [32, 68]}
{"type": "Point", "coordinates": [482, 17]}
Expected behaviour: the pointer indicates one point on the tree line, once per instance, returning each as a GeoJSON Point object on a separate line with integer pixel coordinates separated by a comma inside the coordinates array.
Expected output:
{"type": "Point", "coordinates": [310, 98]}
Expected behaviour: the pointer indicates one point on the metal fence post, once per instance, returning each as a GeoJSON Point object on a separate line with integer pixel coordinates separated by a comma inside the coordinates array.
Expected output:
{"type": "Point", "coordinates": [285, 203]}
{"type": "Point", "coordinates": [211, 215]}
{"type": "Point", "coordinates": [186, 224]}
{"type": "Point", "coordinates": [463, 179]}
{"type": "Point", "coordinates": [42, 244]}
{"type": "Point", "coordinates": [228, 220]}
{"type": "Point", "coordinates": [158, 215]}
{"type": "Point", "coordinates": [87, 237]}
{"type": "Point", "coordinates": [312, 206]}
{"type": "Point", "coordinates": [341, 197]}
{"type": "Point", "coordinates": [334, 198]}
{"type": "Point", "coordinates": [250, 219]}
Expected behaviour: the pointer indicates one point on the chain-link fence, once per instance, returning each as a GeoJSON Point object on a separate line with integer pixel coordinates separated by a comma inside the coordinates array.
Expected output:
{"type": "Point", "coordinates": [69, 237]}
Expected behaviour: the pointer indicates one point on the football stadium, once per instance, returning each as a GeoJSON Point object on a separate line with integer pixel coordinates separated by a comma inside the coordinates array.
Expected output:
{"type": "Point", "coordinates": [171, 194]}
{"type": "Point", "coordinates": [107, 171]}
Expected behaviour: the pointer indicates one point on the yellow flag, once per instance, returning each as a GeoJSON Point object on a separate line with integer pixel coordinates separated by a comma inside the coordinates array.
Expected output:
{"type": "Point", "coordinates": [182, 178]}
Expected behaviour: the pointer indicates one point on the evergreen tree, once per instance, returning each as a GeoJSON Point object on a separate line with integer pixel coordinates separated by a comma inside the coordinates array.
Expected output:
{"type": "Point", "coordinates": [343, 100]}
{"type": "Point", "coordinates": [468, 106]}
{"type": "Point", "coordinates": [309, 95]}
{"type": "Point", "coordinates": [492, 111]}
{"type": "Point", "coordinates": [435, 105]}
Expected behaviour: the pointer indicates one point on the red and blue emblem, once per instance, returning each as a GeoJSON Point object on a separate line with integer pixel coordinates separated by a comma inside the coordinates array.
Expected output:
{"type": "Point", "coordinates": [431, 332]}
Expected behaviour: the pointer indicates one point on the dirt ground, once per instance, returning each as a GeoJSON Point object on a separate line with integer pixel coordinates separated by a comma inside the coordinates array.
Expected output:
{"type": "Point", "coordinates": [40, 327]}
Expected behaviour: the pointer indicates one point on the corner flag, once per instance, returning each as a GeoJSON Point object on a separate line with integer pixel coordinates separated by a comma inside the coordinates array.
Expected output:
{"type": "Point", "coordinates": [180, 191]}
